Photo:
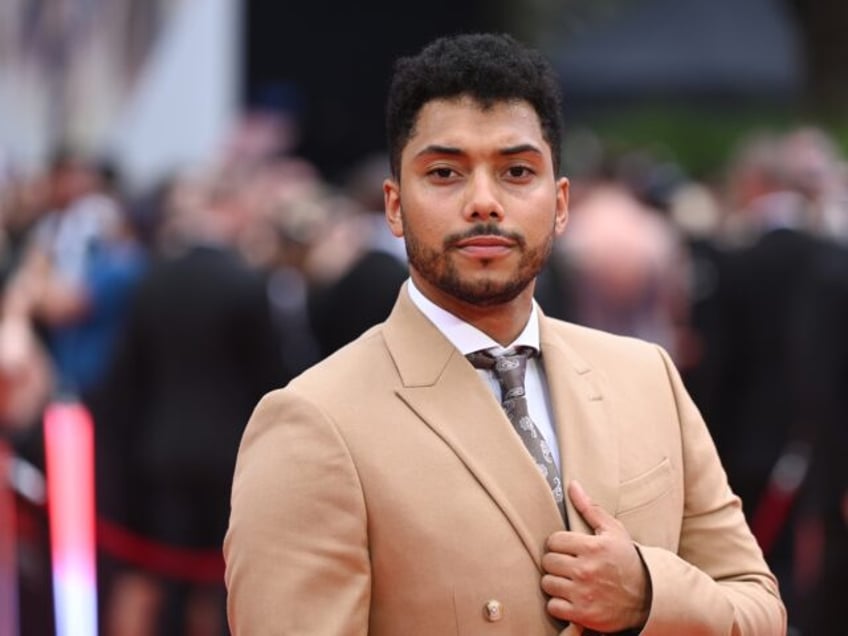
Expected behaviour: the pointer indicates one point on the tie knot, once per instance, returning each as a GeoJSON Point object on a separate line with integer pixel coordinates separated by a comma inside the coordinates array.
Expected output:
{"type": "Point", "coordinates": [509, 368]}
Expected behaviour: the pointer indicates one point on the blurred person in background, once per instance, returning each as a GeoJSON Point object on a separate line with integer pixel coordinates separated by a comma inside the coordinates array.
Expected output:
{"type": "Point", "coordinates": [71, 286]}
{"type": "Point", "coordinates": [820, 574]}
{"type": "Point", "coordinates": [695, 210]}
{"type": "Point", "coordinates": [629, 267]}
{"type": "Point", "coordinates": [364, 293]}
{"type": "Point", "coordinates": [77, 273]}
{"type": "Point", "coordinates": [24, 199]}
{"type": "Point", "coordinates": [26, 372]}
{"type": "Point", "coordinates": [199, 349]}
{"type": "Point", "coordinates": [756, 419]}
{"type": "Point", "coordinates": [294, 209]}
{"type": "Point", "coordinates": [821, 173]}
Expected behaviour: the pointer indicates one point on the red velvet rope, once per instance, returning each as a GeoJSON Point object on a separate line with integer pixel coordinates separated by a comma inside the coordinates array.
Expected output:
{"type": "Point", "coordinates": [192, 565]}
{"type": "Point", "coordinates": [182, 564]}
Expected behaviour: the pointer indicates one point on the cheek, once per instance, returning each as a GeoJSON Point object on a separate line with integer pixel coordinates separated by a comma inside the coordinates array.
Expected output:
{"type": "Point", "coordinates": [423, 229]}
{"type": "Point", "coordinates": [424, 219]}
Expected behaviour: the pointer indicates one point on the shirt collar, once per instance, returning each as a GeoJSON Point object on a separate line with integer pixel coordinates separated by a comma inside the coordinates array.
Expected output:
{"type": "Point", "coordinates": [466, 337]}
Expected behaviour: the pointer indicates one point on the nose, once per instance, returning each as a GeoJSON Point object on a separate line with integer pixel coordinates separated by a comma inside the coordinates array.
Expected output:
{"type": "Point", "coordinates": [482, 203]}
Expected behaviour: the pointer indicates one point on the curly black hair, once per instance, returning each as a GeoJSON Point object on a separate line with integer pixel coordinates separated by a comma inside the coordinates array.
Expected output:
{"type": "Point", "coordinates": [486, 67]}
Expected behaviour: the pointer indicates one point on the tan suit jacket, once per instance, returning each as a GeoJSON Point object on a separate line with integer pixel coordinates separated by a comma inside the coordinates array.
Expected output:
{"type": "Point", "coordinates": [384, 492]}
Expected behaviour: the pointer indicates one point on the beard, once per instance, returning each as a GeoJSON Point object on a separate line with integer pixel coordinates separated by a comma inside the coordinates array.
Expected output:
{"type": "Point", "coordinates": [439, 267]}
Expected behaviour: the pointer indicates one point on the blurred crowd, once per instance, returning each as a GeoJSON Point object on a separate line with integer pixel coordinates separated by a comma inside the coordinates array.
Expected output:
{"type": "Point", "coordinates": [169, 312]}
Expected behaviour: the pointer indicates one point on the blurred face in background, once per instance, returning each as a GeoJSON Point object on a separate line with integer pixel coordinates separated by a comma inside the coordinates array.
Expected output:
{"type": "Point", "coordinates": [477, 201]}
{"type": "Point", "coordinates": [70, 180]}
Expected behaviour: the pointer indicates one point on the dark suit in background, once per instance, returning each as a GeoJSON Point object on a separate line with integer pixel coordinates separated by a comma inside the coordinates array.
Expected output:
{"type": "Point", "coordinates": [358, 300]}
{"type": "Point", "coordinates": [756, 412]}
{"type": "Point", "coordinates": [199, 352]}
{"type": "Point", "coordinates": [823, 331]}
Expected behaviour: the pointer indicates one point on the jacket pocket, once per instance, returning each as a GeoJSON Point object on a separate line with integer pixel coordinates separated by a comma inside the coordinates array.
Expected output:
{"type": "Point", "coordinates": [644, 489]}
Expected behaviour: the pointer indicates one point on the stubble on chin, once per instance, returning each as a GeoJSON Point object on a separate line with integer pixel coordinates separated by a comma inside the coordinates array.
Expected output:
{"type": "Point", "coordinates": [440, 269]}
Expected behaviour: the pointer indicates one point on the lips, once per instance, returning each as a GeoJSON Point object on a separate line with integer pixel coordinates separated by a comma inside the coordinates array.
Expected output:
{"type": "Point", "coordinates": [485, 241]}
{"type": "Point", "coordinates": [486, 246]}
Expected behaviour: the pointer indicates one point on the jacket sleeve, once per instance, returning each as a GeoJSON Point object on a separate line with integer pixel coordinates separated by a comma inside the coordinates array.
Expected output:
{"type": "Point", "coordinates": [718, 583]}
{"type": "Point", "coordinates": [296, 548]}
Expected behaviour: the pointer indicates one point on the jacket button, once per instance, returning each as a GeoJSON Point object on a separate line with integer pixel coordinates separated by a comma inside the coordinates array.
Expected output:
{"type": "Point", "coordinates": [493, 610]}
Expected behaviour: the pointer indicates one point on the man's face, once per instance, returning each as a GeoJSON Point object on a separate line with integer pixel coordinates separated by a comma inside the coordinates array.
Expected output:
{"type": "Point", "coordinates": [477, 201]}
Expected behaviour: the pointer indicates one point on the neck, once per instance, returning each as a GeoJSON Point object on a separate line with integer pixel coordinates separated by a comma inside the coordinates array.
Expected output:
{"type": "Point", "coordinates": [502, 322]}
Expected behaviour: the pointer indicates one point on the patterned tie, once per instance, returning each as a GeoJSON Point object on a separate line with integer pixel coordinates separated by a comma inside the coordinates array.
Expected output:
{"type": "Point", "coordinates": [509, 370]}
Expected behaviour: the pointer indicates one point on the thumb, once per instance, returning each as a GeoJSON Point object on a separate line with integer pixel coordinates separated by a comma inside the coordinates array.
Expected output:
{"type": "Point", "coordinates": [597, 518]}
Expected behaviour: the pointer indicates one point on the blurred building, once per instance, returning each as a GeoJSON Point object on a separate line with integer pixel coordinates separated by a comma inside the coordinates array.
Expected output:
{"type": "Point", "coordinates": [667, 49]}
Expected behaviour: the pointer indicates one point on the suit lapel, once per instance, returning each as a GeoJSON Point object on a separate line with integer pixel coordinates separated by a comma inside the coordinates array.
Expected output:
{"type": "Point", "coordinates": [587, 441]}
{"type": "Point", "coordinates": [445, 391]}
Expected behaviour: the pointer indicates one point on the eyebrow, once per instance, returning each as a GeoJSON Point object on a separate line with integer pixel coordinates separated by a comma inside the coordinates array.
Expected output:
{"type": "Point", "coordinates": [521, 149]}
{"type": "Point", "coordinates": [436, 149]}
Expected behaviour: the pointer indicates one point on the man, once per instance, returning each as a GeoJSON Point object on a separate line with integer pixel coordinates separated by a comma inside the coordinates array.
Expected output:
{"type": "Point", "coordinates": [385, 491]}
{"type": "Point", "coordinates": [820, 576]}
{"type": "Point", "coordinates": [198, 351]}
{"type": "Point", "coordinates": [364, 293]}
{"type": "Point", "coordinates": [762, 362]}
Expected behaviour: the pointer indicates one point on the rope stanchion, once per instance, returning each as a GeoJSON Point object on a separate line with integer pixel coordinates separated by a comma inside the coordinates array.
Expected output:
{"type": "Point", "coordinates": [191, 565]}
{"type": "Point", "coordinates": [182, 564]}
{"type": "Point", "coordinates": [69, 455]}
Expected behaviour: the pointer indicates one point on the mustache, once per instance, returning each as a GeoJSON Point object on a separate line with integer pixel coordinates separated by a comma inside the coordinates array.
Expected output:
{"type": "Point", "coordinates": [484, 229]}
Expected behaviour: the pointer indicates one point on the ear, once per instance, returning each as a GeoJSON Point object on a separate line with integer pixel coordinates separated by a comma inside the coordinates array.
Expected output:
{"type": "Point", "coordinates": [561, 217]}
{"type": "Point", "coordinates": [391, 197]}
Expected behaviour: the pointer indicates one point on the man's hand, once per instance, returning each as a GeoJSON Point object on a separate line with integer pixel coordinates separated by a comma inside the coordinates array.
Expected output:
{"type": "Point", "coordinates": [597, 581]}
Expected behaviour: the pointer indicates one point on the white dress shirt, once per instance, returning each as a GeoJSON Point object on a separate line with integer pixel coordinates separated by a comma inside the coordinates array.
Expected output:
{"type": "Point", "coordinates": [469, 339]}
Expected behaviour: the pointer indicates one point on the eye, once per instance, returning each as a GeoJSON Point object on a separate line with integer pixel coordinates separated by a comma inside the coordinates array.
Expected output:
{"type": "Point", "coordinates": [519, 172]}
{"type": "Point", "coordinates": [442, 173]}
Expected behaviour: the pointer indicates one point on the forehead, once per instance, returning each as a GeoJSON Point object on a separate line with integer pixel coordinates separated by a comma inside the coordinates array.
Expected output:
{"type": "Point", "coordinates": [466, 124]}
